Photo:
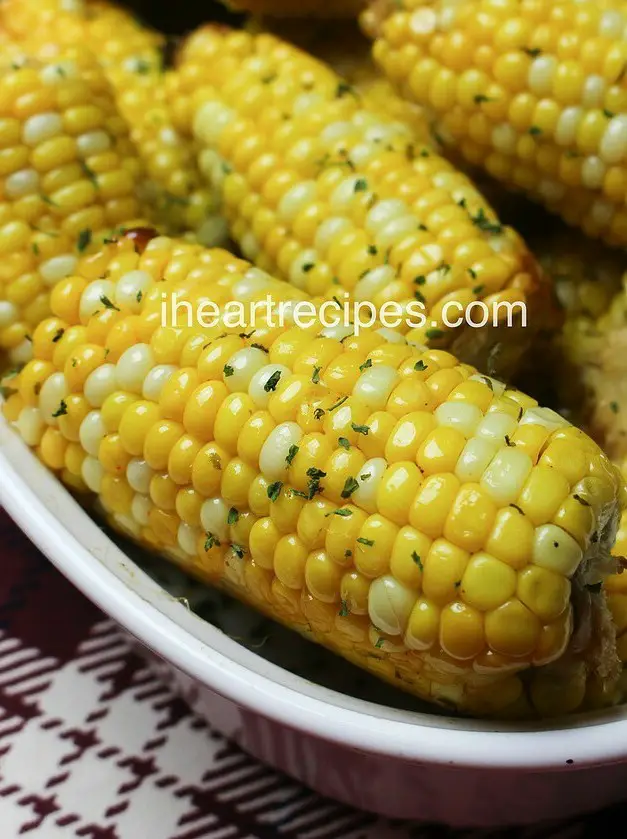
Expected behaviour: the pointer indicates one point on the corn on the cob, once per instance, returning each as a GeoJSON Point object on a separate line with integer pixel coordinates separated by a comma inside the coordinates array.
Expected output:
{"type": "Point", "coordinates": [68, 176]}
{"type": "Point", "coordinates": [536, 92]}
{"type": "Point", "coordinates": [299, 8]}
{"type": "Point", "coordinates": [132, 57]}
{"type": "Point", "coordinates": [589, 377]}
{"type": "Point", "coordinates": [328, 194]}
{"type": "Point", "coordinates": [424, 521]}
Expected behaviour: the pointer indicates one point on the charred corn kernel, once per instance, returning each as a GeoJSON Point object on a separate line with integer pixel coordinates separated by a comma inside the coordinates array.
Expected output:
{"type": "Point", "coordinates": [539, 118]}
{"type": "Point", "coordinates": [382, 215]}
{"type": "Point", "coordinates": [131, 57]}
{"type": "Point", "coordinates": [443, 583]}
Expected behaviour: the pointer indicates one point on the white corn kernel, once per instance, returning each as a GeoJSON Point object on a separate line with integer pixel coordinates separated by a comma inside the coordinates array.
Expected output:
{"type": "Point", "coordinates": [59, 72]}
{"type": "Point", "coordinates": [593, 172]}
{"type": "Point", "coordinates": [139, 476]}
{"type": "Point", "coordinates": [100, 384]}
{"type": "Point", "coordinates": [594, 88]}
{"type": "Point", "coordinates": [555, 549]}
{"type": "Point", "coordinates": [253, 283]}
{"type": "Point", "coordinates": [375, 386]}
{"type": "Point", "coordinates": [497, 388]}
{"type": "Point", "coordinates": [30, 425]}
{"type": "Point", "coordinates": [328, 230]}
{"type": "Point", "coordinates": [613, 147]}
{"type": "Point", "coordinates": [506, 475]}
{"type": "Point", "coordinates": [213, 517]}
{"type": "Point", "coordinates": [383, 212]}
{"type": "Point", "coordinates": [24, 182]}
{"type": "Point", "coordinates": [41, 127]}
{"type": "Point", "coordinates": [156, 379]}
{"type": "Point", "coordinates": [544, 417]}
{"type": "Point", "coordinates": [141, 506]}
{"type": "Point", "coordinates": [93, 142]}
{"type": "Point", "coordinates": [210, 121]}
{"type": "Point", "coordinates": [91, 433]}
{"type": "Point", "coordinates": [612, 24]}
{"type": "Point", "coordinates": [463, 416]}
{"type": "Point", "coordinates": [9, 313]}
{"type": "Point", "coordinates": [296, 199]}
{"type": "Point", "coordinates": [301, 266]}
{"type": "Point", "coordinates": [496, 426]}
{"type": "Point", "coordinates": [57, 268]}
{"type": "Point", "coordinates": [187, 538]}
{"type": "Point", "coordinates": [390, 604]}
{"type": "Point", "coordinates": [131, 289]}
{"type": "Point", "coordinates": [541, 73]}
{"type": "Point", "coordinates": [373, 282]}
{"type": "Point", "coordinates": [567, 125]}
{"type": "Point", "coordinates": [92, 473]}
{"type": "Point", "coordinates": [475, 459]}
{"type": "Point", "coordinates": [369, 478]}
{"type": "Point", "coordinates": [242, 366]}
{"type": "Point", "coordinates": [274, 452]}
{"type": "Point", "coordinates": [53, 392]}
{"type": "Point", "coordinates": [395, 230]}
{"type": "Point", "coordinates": [23, 353]}
{"type": "Point", "coordinates": [97, 296]}
{"type": "Point", "coordinates": [344, 194]}
{"type": "Point", "coordinates": [133, 366]}
{"type": "Point", "coordinates": [265, 382]}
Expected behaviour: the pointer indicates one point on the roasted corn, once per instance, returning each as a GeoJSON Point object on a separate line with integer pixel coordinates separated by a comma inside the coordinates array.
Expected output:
{"type": "Point", "coordinates": [332, 196]}
{"type": "Point", "coordinates": [426, 522]}
{"type": "Point", "coordinates": [68, 176]}
{"type": "Point", "coordinates": [534, 91]}
{"type": "Point", "coordinates": [133, 58]}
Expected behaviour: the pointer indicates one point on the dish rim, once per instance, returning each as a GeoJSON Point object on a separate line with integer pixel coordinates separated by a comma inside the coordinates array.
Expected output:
{"type": "Point", "coordinates": [136, 602]}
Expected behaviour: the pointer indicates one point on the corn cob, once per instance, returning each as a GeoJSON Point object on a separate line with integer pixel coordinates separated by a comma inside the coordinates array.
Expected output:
{"type": "Point", "coordinates": [536, 92]}
{"type": "Point", "coordinates": [68, 176]}
{"type": "Point", "coordinates": [333, 197]}
{"type": "Point", "coordinates": [132, 57]}
{"type": "Point", "coordinates": [436, 528]}
{"type": "Point", "coordinates": [299, 8]}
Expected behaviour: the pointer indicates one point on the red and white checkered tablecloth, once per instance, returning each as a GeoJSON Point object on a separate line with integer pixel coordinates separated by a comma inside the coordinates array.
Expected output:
{"type": "Point", "coordinates": [93, 745]}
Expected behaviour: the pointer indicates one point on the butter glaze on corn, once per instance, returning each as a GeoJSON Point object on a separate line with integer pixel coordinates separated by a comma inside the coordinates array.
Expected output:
{"type": "Point", "coordinates": [68, 176]}
{"type": "Point", "coordinates": [387, 501]}
{"type": "Point", "coordinates": [132, 57]}
{"type": "Point", "coordinates": [534, 91]}
{"type": "Point", "coordinates": [330, 195]}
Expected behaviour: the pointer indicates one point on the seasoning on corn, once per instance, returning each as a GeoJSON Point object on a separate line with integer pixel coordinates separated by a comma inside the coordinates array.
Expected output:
{"type": "Point", "coordinates": [534, 92]}
{"type": "Point", "coordinates": [331, 196]}
{"type": "Point", "coordinates": [426, 522]}
{"type": "Point", "coordinates": [132, 57]}
{"type": "Point", "coordinates": [68, 176]}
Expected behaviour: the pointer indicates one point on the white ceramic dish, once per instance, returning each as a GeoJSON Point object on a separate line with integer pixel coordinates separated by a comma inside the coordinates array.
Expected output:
{"type": "Point", "coordinates": [400, 763]}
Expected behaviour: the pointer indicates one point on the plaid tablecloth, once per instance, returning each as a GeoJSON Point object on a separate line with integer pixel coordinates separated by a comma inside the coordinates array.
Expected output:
{"type": "Point", "coordinates": [93, 745]}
